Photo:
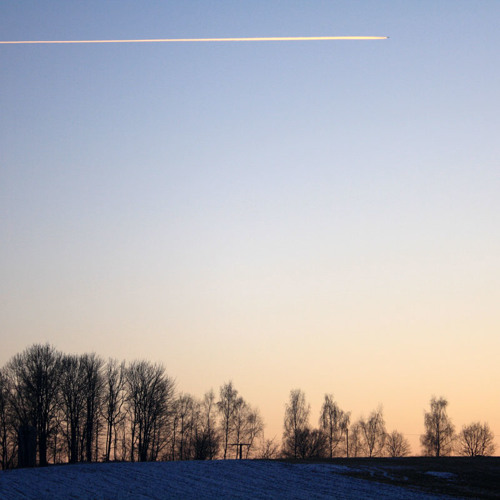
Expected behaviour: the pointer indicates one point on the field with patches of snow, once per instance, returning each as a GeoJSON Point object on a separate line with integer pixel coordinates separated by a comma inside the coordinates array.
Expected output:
{"type": "Point", "coordinates": [189, 480]}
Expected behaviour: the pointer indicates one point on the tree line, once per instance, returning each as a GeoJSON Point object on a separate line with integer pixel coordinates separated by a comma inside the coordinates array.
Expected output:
{"type": "Point", "coordinates": [57, 408]}
{"type": "Point", "coordinates": [337, 436]}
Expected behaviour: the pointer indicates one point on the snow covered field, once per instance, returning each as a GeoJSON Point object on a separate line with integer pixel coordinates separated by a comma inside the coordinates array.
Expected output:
{"type": "Point", "coordinates": [189, 480]}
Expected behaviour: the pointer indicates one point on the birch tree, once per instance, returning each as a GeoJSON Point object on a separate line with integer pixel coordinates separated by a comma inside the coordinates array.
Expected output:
{"type": "Point", "coordinates": [439, 431]}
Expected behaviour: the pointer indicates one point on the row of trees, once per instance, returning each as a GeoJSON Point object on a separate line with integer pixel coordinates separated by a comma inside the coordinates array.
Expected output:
{"type": "Point", "coordinates": [440, 439]}
{"type": "Point", "coordinates": [337, 436]}
{"type": "Point", "coordinates": [56, 407]}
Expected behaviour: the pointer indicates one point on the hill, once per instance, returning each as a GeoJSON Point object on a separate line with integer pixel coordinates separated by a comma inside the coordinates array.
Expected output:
{"type": "Point", "coordinates": [362, 478]}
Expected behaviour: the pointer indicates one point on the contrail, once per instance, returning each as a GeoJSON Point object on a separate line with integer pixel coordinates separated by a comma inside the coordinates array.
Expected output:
{"type": "Point", "coordinates": [176, 40]}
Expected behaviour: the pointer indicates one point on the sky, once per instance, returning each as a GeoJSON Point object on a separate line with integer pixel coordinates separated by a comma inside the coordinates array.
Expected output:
{"type": "Point", "coordinates": [321, 215]}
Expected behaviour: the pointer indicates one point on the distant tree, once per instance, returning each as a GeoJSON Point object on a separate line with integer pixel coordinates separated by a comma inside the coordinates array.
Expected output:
{"type": "Point", "coordinates": [185, 408]}
{"type": "Point", "coordinates": [295, 422]}
{"type": "Point", "coordinates": [311, 443]}
{"type": "Point", "coordinates": [206, 437]}
{"type": "Point", "coordinates": [228, 401]}
{"type": "Point", "coordinates": [113, 401]}
{"type": "Point", "coordinates": [333, 423]}
{"type": "Point", "coordinates": [345, 431]}
{"type": "Point", "coordinates": [397, 445]}
{"type": "Point", "coordinates": [439, 431]}
{"type": "Point", "coordinates": [8, 446]}
{"type": "Point", "coordinates": [239, 422]}
{"type": "Point", "coordinates": [209, 424]}
{"type": "Point", "coordinates": [35, 375]}
{"type": "Point", "coordinates": [72, 403]}
{"type": "Point", "coordinates": [476, 439]}
{"type": "Point", "coordinates": [248, 425]}
{"type": "Point", "coordinates": [149, 396]}
{"type": "Point", "coordinates": [373, 433]}
{"type": "Point", "coordinates": [57, 443]}
{"type": "Point", "coordinates": [160, 433]}
{"type": "Point", "coordinates": [254, 429]}
{"type": "Point", "coordinates": [92, 366]}
{"type": "Point", "coordinates": [123, 441]}
{"type": "Point", "coordinates": [269, 449]}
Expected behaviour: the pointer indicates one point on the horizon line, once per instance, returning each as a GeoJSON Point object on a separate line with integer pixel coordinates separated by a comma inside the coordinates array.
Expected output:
{"type": "Point", "coordinates": [174, 40]}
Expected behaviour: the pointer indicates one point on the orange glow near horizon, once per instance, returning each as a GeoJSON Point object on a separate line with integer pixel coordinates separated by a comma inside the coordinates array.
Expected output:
{"type": "Point", "coordinates": [172, 40]}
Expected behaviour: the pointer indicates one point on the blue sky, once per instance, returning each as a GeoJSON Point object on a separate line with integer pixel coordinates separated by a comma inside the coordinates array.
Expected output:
{"type": "Point", "coordinates": [258, 211]}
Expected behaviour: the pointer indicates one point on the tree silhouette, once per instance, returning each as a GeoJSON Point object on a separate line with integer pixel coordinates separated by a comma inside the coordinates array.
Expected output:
{"type": "Point", "coordinates": [373, 433]}
{"type": "Point", "coordinates": [72, 403]}
{"type": "Point", "coordinates": [333, 422]}
{"type": "Point", "coordinates": [476, 440]}
{"type": "Point", "coordinates": [295, 422]}
{"type": "Point", "coordinates": [114, 399]}
{"type": "Point", "coordinates": [150, 392]}
{"type": "Point", "coordinates": [397, 445]}
{"type": "Point", "coordinates": [228, 401]}
{"type": "Point", "coordinates": [439, 431]}
{"type": "Point", "coordinates": [7, 435]}
{"type": "Point", "coordinates": [35, 374]}
{"type": "Point", "coordinates": [208, 429]}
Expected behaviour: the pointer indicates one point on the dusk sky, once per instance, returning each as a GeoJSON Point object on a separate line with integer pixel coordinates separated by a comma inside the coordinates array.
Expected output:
{"type": "Point", "coordinates": [321, 215]}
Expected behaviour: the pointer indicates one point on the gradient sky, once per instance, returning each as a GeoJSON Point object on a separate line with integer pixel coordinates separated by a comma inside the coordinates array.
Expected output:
{"type": "Point", "coordinates": [314, 215]}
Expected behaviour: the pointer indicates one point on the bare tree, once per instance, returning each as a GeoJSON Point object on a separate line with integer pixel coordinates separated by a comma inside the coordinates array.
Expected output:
{"type": "Point", "coordinates": [475, 440]}
{"type": "Point", "coordinates": [174, 426]}
{"type": "Point", "coordinates": [248, 425]}
{"type": "Point", "coordinates": [295, 422]}
{"type": "Point", "coordinates": [113, 401]}
{"type": "Point", "coordinates": [149, 396]}
{"type": "Point", "coordinates": [206, 440]}
{"type": "Point", "coordinates": [373, 433]}
{"type": "Point", "coordinates": [269, 449]}
{"type": "Point", "coordinates": [92, 366]}
{"type": "Point", "coordinates": [354, 443]}
{"type": "Point", "coordinates": [200, 438]}
{"type": "Point", "coordinates": [254, 428]}
{"type": "Point", "coordinates": [228, 399]}
{"type": "Point", "coordinates": [333, 422]}
{"type": "Point", "coordinates": [185, 409]}
{"type": "Point", "coordinates": [397, 445]}
{"type": "Point", "coordinates": [239, 422]}
{"type": "Point", "coordinates": [35, 375]}
{"type": "Point", "coordinates": [7, 431]}
{"type": "Point", "coordinates": [122, 441]}
{"type": "Point", "coordinates": [209, 426]}
{"type": "Point", "coordinates": [311, 443]}
{"type": "Point", "coordinates": [439, 431]}
{"type": "Point", "coordinates": [57, 443]}
{"type": "Point", "coordinates": [160, 433]}
{"type": "Point", "coordinates": [72, 403]}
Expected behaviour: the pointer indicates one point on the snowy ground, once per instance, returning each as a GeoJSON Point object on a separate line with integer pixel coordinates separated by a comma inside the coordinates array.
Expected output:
{"type": "Point", "coordinates": [196, 480]}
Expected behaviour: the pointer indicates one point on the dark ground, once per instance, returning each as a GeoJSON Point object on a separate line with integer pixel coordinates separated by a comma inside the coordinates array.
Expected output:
{"type": "Point", "coordinates": [475, 477]}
